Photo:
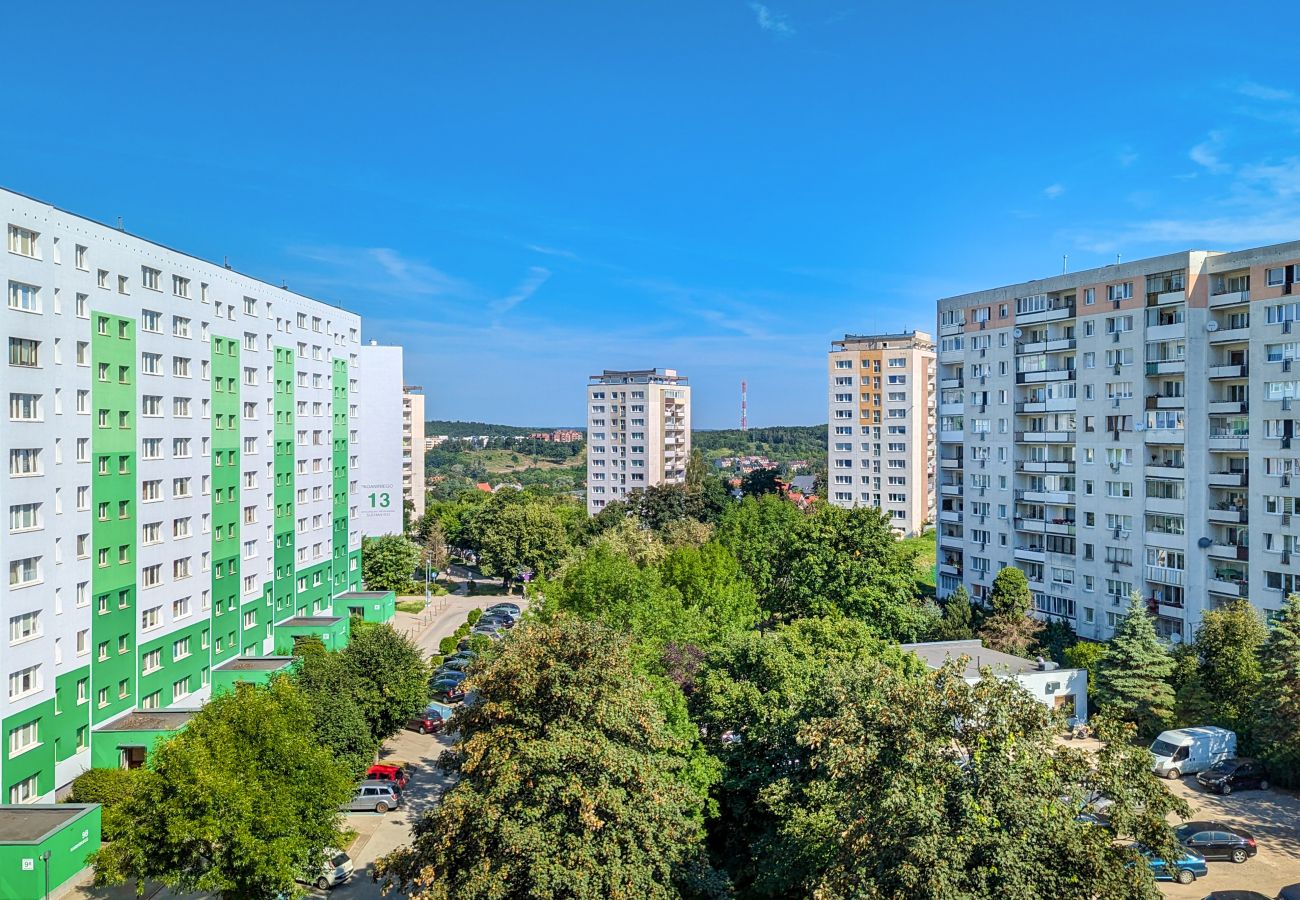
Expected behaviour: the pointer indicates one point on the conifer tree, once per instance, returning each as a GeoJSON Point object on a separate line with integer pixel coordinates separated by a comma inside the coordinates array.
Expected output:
{"type": "Point", "coordinates": [1133, 676]}
{"type": "Point", "coordinates": [1279, 730]}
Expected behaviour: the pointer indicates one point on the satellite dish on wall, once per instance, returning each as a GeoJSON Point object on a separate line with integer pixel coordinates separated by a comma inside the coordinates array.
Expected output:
{"type": "Point", "coordinates": [1204, 543]}
{"type": "Point", "coordinates": [1211, 325]}
{"type": "Point", "coordinates": [1018, 332]}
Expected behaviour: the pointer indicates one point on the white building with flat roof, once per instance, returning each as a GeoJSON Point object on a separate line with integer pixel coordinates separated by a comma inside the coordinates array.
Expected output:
{"type": "Point", "coordinates": [638, 433]}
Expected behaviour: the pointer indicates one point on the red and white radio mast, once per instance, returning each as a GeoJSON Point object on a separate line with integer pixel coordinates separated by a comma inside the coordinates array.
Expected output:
{"type": "Point", "coordinates": [744, 406]}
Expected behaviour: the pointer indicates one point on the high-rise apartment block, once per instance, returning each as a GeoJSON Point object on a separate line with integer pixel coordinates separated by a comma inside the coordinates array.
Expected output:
{"type": "Point", "coordinates": [180, 498]}
{"type": "Point", "coordinates": [880, 446]}
{"type": "Point", "coordinates": [1129, 428]}
{"type": "Point", "coordinates": [413, 448]}
{"type": "Point", "coordinates": [638, 433]}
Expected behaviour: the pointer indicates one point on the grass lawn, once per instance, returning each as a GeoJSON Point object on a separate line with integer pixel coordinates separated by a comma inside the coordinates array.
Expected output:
{"type": "Point", "coordinates": [415, 607]}
{"type": "Point", "coordinates": [925, 560]}
{"type": "Point", "coordinates": [504, 461]}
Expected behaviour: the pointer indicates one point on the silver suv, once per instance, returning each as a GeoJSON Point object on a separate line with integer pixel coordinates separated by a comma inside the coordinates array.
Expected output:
{"type": "Point", "coordinates": [379, 796]}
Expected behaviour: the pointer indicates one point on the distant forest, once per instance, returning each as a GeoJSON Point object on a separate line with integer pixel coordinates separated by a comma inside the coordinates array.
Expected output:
{"type": "Point", "coordinates": [780, 443]}
{"type": "Point", "coordinates": [473, 429]}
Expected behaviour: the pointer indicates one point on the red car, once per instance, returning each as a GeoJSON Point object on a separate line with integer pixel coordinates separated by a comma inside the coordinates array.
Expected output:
{"type": "Point", "coordinates": [395, 774]}
{"type": "Point", "coordinates": [426, 721]}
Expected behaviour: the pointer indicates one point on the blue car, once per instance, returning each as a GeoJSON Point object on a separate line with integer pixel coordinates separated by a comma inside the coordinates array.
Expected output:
{"type": "Point", "coordinates": [1186, 869]}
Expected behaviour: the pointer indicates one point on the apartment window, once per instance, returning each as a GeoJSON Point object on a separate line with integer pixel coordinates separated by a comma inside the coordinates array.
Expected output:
{"type": "Point", "coordinates": [24, 738]}
{"type": "Point", "coordinates": [149, 278]}
{"type": "Point", "coordinates": [151, 321]}
{"type": "Point", "coordinates": [181, 407]}
{"type": "Point", "coordinates": [1119, 291]}
{"type": "Point", "coordinates": [150, 405]}
{"type": "Point", "coordinates": [1089, 296]}
{"type": "Point", "coordinates": [250, 619]}
{"type": "Point", "coordinates": [23, 241]}
{"type": "Point", "coordinates": [180, 689]}
{"type": "Point", "coordinates": [24, 461]}
{"type": "Point", "coordinates": [180, 286]}
{"type": "Point", "coordinates": [24, 572]}
{"type": "Point", "coordinates": [181, 527]}
{"type": "Point", "coordinates": [181, 608]}
{"type": "Point", "coordinates": [151, 448]}
{"type": "Point", "coordinates": [24, 681]}
{"type": "Point", "coordinates": [180, 648]}
{"type": "Point", "coordinates": [181, 487]}
{"type": "Point", "coordinates": [24, 407]}
{"type": "Point", "coordinates": [25, 627]}
{"type": "Point", "coordinates": [24, 517]}
{"type": "Point", "coordinates": [24, 352]}
{"type": "Point", "coordinates": [1275, 277]}
{"type": "Point", "coordinates": [180, 326]}
{"type": "Point", "coordinates": [123, 284]}
{"type": "Point", "coordinates": [151, 662]}
{"type": "Point", "coordinates": [181, 366]}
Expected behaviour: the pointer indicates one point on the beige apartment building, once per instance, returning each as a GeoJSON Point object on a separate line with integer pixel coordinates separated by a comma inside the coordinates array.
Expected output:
{"type": "Point", "coordinates": [1127, 428]}
{"type": "Point", "coordinates": [880, 445]}
{"type": "Point", "coordinates": [638, 433]}
{"type": "Point", "coordinates": [413, 447]}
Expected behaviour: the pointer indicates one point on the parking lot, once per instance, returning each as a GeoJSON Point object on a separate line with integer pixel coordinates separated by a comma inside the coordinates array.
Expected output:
{"type": "Point", "coordinates": [1272, 817]}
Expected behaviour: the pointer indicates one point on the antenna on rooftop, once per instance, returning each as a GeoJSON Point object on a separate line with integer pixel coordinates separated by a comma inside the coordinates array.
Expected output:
{"type": "Point", "coordinates": [1065, 263]}
{"type": "Point", "coordinates": [120, 226]}
{"type": "Point", "coordinates": [1118, 257]}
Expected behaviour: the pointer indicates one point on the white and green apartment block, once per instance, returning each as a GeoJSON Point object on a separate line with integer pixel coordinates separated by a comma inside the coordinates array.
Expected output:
{"type": "Point", "coordinates": [181, 491]}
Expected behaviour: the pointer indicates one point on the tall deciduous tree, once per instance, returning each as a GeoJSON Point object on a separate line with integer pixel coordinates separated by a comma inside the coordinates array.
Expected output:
{"type": "Point", "coordinates": [513, 532]}
{"type": "Point", "coordinates": [1133, 676]}
{"type": "Point", "coordinates": [388, 562]}
{"type": "Point", "coordinates": [388, 674]}
{"type": "Point", "coordinates": [239, 803]}
{"type": "Point", "coordinates": [1279, 713]}
{"type": "Point", "coordinates": [337, 720]}
{"type": "Point", "coordinates": [570, 781]}
{"type": "Point", "coordinates": [1227, 675]}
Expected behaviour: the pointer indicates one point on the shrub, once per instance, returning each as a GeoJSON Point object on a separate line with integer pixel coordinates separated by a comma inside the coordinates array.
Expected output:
{"type": "Point", "coordinates": [447, 646]}
{"type": "Point", "coordinates": [474, 615]}
{"type": "Point", "coordinates": [109, 787]}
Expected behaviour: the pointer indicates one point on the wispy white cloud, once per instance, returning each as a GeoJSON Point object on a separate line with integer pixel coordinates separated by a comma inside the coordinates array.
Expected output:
{"type": "Point", "coordinates": [536, 277]}
{"type": "Point", "coordinates": [768, 20]}
{"type": "Point", "coordinates": [377, 270]}
{"type": "Point", "coordinates": [551, 251]}
{"type": "Point", "coordinates": [1052, 191]}
{"type": "Point", "coordinates": [1257, 91]}
{"type": "Point", "coordinates": [1206, 153]}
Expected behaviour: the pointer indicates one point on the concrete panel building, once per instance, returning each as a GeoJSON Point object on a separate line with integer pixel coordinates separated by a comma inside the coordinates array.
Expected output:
{"type": "Point", "coordinates": [1128, 428]}
{"type": "Point", "coordinates": [880, 445]}
{"type": "Point", "coordinates": [380, 435]}
{"type": "Point", "coordinates": [639, 433]}
{"type": "Point", "coordinates": [413, 448]}
{"type": "Point", "coordinates": [183, 467]}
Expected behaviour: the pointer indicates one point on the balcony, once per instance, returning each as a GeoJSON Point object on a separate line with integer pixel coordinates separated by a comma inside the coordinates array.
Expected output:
{"type": "Point", "coordinates": [1045, 526]}
{"type": "Point", "coordinates": [1229, 515]}
{"type": "Point", "coordinates": [951, 384]}
{"type": "Point", "coordinates": [1045, 375]}
{"type": "Point", "coordinates": [1235, 552]}
{"type": "Point", "coordinates": [1054, 314]}
{"type": "Point", "coordinates": [1229, 335]}
{"type": "Point", "coordinates": [1228, 440]}
{"type": "Point", "coordinates": [1166, 367]}
{"type": "Point", "coordinates": [1164, 436]}
{"type": "Point", "coordinates": [1158, 401]}
{"type": "Point", "coordinates": [1228, 583]}
{"type": "Point", "coordinates": [950, 490]}
{"type": "Point", "coordinates": [1057, 466]}
{"type": "Point", "coordinates": [951, 409]}
{"type": "Point", "coordinates": [952, 327]}
{"type": "Point", "coordinates": [1057, 346]}
{"type": "Point", "coordinates": [950, 568]}
{"type": "Point", "coordinates": [1058, 497]}
{"type": "Point", "coordinates": [949, 515]}
{"type": "Point", "coordinates": [1161, 575]}
{"type": "Point", "coordinates": [946, 463]}
{"type": "Point", "coordinates": [1228, 407]}
{"type": "Point", "coordinates": [1164, 470]}
{"type": "Point", "coordinates": [1228, 479]}
{"type": "Point", "coordinates": [1229, 298]}
{"type": "Point", "coordinates": [1031, 554]}
{"type": "Point", "coordinates": [1170, 332]}
{"type": "Point", "coordinates": [1045, 437]}
{"type": "Point", "coordinates": [1165, 505]}
{"type": "Point", "coordinates": [952, 437]}
{"type": "Point", "coordinates": [1230, 371]}
{"type": "Point", "coordinates": [1055, 404]}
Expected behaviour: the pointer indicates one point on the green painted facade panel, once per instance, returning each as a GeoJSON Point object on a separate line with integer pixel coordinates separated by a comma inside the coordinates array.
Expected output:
{"type": "Point", "coordinates": [38, 760]}
{"type": "Point", "coordinates": [177, 655]}
{"type": "Point", "coordinates": [225, 679]}
{"type": "Point", "coordinates": [371, 609]}
{"type": "Point", "coordinates": [225, 471]}
{"type": "Point", "coordinates": [113, 508]}
{"type": "Point", "coordinates": [284, 438]}
{"type": "Point", "coordinates": [341, 572]}
{"type": "Point", "coordinates": [71, 720]}
{"type": "Point", "coordinates": [333, 635]}
{"type": "Point", "coordinates": [22, 869]}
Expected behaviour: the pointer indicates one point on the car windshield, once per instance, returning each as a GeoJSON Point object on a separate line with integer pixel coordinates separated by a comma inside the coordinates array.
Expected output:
{"type": "Point", "coordinates": [339, 858]}
{"type": "Point", "coordinates": [1224, 767]}
{"type": "Point", "coordinates": [1163, 748]}
{"type": "Point", "coordinates": [1183, 832]}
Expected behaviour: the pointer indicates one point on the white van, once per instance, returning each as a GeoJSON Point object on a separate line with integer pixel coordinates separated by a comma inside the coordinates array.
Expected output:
{"type": "Point", "coordinates": [1184, 751]}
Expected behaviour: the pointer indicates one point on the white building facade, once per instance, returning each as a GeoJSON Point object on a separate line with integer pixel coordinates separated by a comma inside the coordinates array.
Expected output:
{"type": "Point", "coordinates": [638, 433]}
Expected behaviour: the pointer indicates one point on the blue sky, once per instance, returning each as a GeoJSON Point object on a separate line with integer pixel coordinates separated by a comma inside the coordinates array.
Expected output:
{"type": "Point", "coordinates": [524, 193]}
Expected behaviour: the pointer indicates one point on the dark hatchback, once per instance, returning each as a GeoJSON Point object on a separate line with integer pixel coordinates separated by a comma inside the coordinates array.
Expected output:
{"type": "Point", "coordinates": [426, 722]}
{"type": "Point", "coordinates": [1234, 775]}
{"type": "Point", "coordinates": [1217, 840]}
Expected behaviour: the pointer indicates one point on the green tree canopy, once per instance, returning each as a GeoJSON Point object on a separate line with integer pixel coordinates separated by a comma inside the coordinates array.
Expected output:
{"type": "Point", "coordinates": [113, 790]}
{"type": "Point", "coordinates": [957, 623]}
{"type": "Point", "coordinates": [933, 788]}
{"type": "Point", "coordinates": [238, 803]}
{"type": "Point", "coordinates": [570, 781]}
{"type": "Point", "coordinates": [1133, 676]}
{"type": "Point", "coordinates": [513, 532]}
{"type": "Point", "coordinates": [1227, 676]}
{"type": "Point", "coordinates": [388, 675]}
{"type": "Point", "coordinates": [388, 562]}
{"type": "Point", "coordinates": [1279, 712]}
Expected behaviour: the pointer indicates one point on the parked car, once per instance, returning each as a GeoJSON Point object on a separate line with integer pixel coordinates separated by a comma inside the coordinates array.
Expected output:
{"type": "Point", "coordinates": [502, 619]}
{"type": "Point", "coordinates": [396, 774]}
{"type": "Point", "coordinates": [455, 664]}
{"type": "Point", "coordinates": [1183, 870]}
{"type": "Point", "coordinates": [1290, 892]}
{"type": "Point", "coordinates": [491, 632]}
{"type": "Point", "coordinates": [1217, 840]}
{"type": "Point", "coordinates": [510, 609]}
{"type": "Point", "coordinates": [379, 796]}
{"type": "Point", "coordinates": [335, 868]}
{"type": "Point", "coordinates": [1185, 751]}
{"type": "Point", "coordinates": [426, 722]}
{"type": "Point", "coordinates": [1236, 895]}
{"type": "Point", "coordinates": [1234, 774]}
{"type": "Point", "coordinates": [446, 690]}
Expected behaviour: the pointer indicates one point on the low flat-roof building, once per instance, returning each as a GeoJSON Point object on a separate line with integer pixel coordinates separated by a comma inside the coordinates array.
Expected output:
{"type": "Point", "coordinates": [68, 832]}
{"type": "Point", "coordinates": [1047, 682]}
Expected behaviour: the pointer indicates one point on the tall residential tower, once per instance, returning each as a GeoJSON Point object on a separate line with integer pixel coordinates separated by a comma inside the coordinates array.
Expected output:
{"type": "Point", "coordinates": [181, 444]}
{"type": "Point", "coordinates": [638, 433]}
{"type": "Point", "coordinates": [1128, 428]}
{"type": "Point", "coordinates": [880, 449]}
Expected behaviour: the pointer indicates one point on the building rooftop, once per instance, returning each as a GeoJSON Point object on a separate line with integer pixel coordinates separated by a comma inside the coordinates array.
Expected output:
{"type": "Point", "coordinates": [362, 595]}
{"type": "Point", "coordinates": [638, 376]}
{"type": "Point", "coordinates": [255, 664]}
{"type": "Point", "coordinates": [150, 720]}
{"type": "Point", "coordinates": [935, 653]}
{"type": "Point", "coordinates": [311, 621]}
{"type": "Point", "coordinates": [32, 823]}
{"type": "Point", "coordinates": [901, 341]}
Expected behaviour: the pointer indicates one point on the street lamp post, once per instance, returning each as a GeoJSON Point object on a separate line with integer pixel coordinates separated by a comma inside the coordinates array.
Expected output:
{"type": "Point", "coordinates": [45, 858]}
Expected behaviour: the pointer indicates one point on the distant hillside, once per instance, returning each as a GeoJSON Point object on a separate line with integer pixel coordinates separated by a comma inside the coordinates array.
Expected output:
{"type": "Point", "coordinates": [781, 443]}
{"type": "Point", "coordinates": [472, 429]}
